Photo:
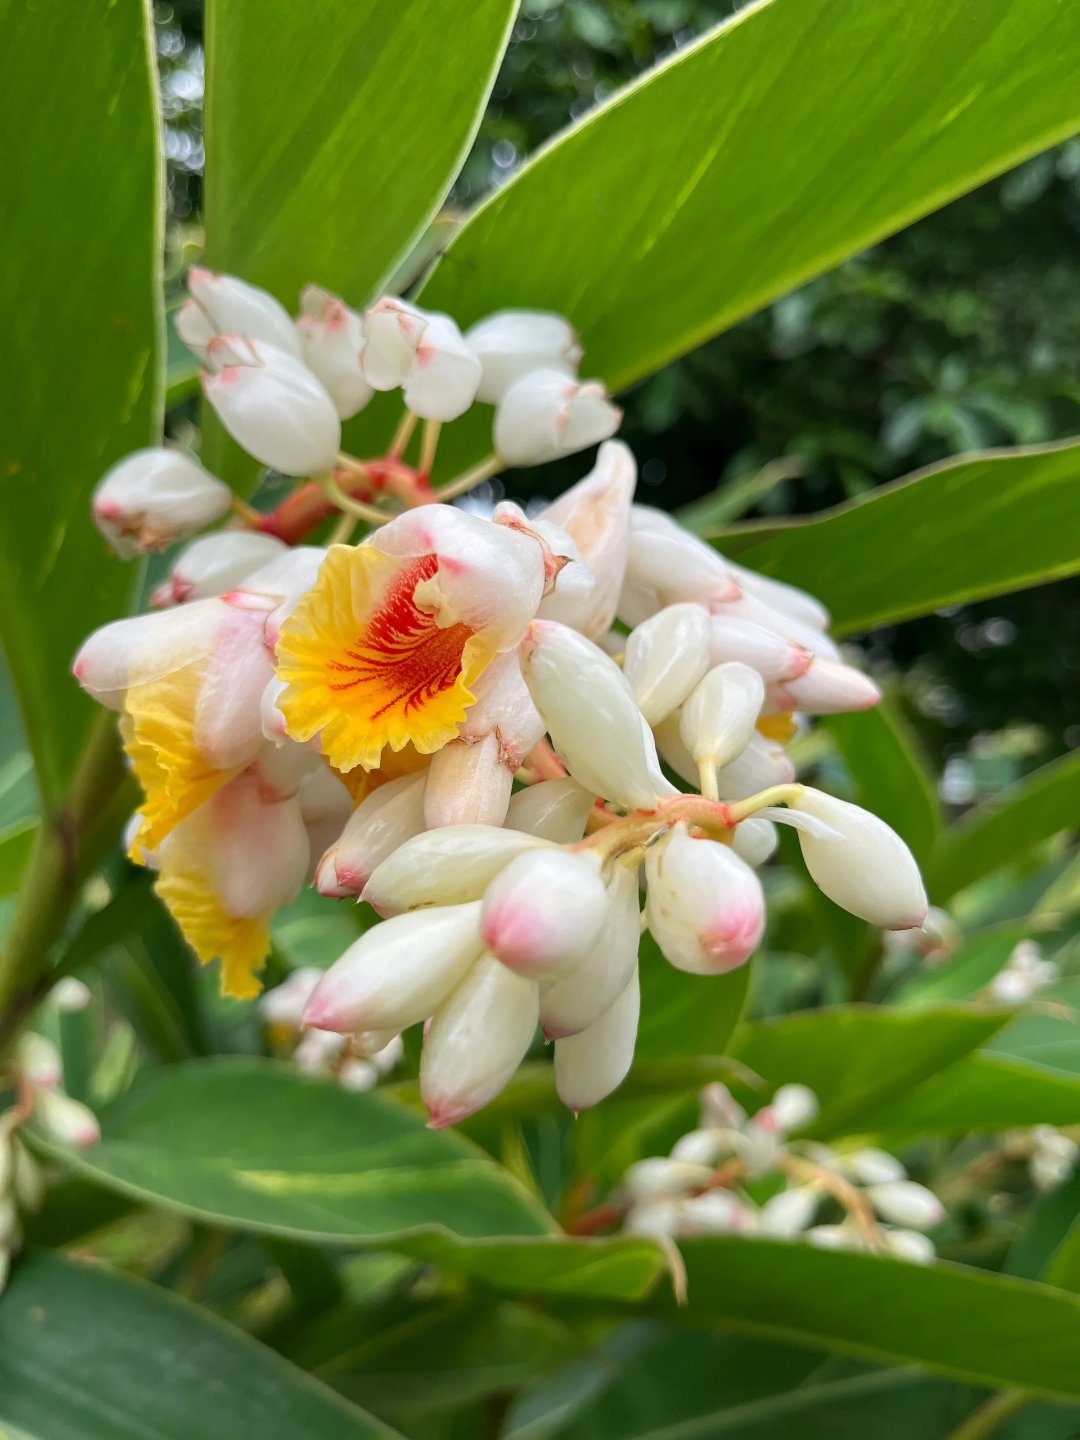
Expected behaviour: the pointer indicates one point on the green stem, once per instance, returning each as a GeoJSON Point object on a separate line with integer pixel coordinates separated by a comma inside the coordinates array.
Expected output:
{"type": "Point", "coordinates": [992, 1413]}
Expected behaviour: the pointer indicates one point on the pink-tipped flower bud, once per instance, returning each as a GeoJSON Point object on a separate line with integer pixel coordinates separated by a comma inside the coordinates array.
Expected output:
{"type": "Point", "coordinates": [593, 1063]}
{"type": "Point", "coordinates": [826, 688]}
{"type": "Point", "coordinates": [659, 1177]}
{"type": "Point", "coordinates": [904, 1202]}
{"type": "Point", "coordinates": [790, 1212]}
{"type": "Point", "coordinates": [422, 352]}
{"type": "Point", "coordinates": [789, 627]}
{"type": "Point", "coordinates": [331, 339]}
{"type": "Point", "coordinates": [675, 565]}
{"type": "Point", "coordinates": [153, 498]}
{"type": "Point", "coordinates": [39, 1060]}
{"type": "Point", "coordinates": [397, 973]}
{"type": "Point", "coordinates": [444, 867]}
{"type": "Point", "coordinates": [544, 911]}
{"type": "Point", "coordinates": [771, 655]}
{"type": "Point", "coordinates": [666, 657]}
{"type": "Point", "coordinates": [512, 343]}
{"type": "Point", "coordinates": [787, 598]}
{"type": "Point", "coordinates": [589, 991]}
{"type": "Point", "coordinates": [273, 406]}
{"type": "Point", "coordinates": [720, 714]}
{"type": "Point", "coordinates": [214, 564]}
{"type": "Point", "coordinates": [555, 810]}
{"type": "Point", "coordinates": [468, 783]}
{"type": "Point", "coordinates": [224, 305]}
{"type": "Point", "coordinates": [383, 821]}
{"type": "Point", "coordinates": [547, 414]}
{"type": "Point", "coordinates": [706, 909]}
{"type": "Point", "coordinates": [477, 1039]}
{"type": "Point", "coordinates": [66, 1120]}
{"type": "Point", "coordinates": [863, 865]}
{"type": "Point", "coordinates": [591, 715]}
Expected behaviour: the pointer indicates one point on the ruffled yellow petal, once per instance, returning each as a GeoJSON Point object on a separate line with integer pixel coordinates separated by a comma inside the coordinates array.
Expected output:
{"type": "Point", "coordinates": [780, 727]}
{"type": "Point", "coordinates": [240, 943]}
{"type": "Point", "coordinates": [367, 667]}
{"type": "Point", "coordinates": [158, 730]}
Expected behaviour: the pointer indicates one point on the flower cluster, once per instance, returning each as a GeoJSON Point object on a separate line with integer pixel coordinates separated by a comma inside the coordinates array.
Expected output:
{"type": "Point", "coordinates": [1023, 975]}
{"type": "Point", "coordinates": [748, 1175]}
{"type": "Point", "coordinates": [489, 728]}
{"type": "Point", "coordinates": [356, 1062]}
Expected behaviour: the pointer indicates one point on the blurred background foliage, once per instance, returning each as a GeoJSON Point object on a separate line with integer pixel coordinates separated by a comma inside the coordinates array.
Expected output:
{"type": "Point", "coordinates": [958, 334]}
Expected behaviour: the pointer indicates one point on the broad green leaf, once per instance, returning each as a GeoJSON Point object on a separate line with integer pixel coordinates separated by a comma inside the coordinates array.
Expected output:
{"type": "Point", "coordinates": [334, 132]}
{"type": "Point", "coordinates": [986, 1329]}
{"type": "Point", "coordinates": [963, 530]}
{"type": "Point", "coordinates": [1048, 1248]}
{"type": "Point", "coordinates": [85, 1355]}
{"type": "Point", "coordinates": [891, 778]}
{"type": "Point", "coordinates": [857, 1057]}
{"type": "Point", "coordinates": [1046, 1033]}
{"type": "Point", "coordinates": [1006, 827]}
{"type": "Point", "coordinates": [683, 1014]}
{"type": "Point", "coordinates": [251, 1144]}
{"type": "Point", "coordinates": [794, 135]}
{"type": "Point", "coordinates": [85, 219]}
{"type": "Point", "coordinates": [984, 1092]}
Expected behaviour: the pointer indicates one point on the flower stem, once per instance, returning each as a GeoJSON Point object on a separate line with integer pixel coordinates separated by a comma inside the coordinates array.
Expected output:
{"type": "Point", "coordinates": [349, 506]}
{"type": "Point", "coordinates": [428, 445]}
{"type": "Point", "coordinates": [402, 435]}
{"type": "Point", "coordinates": [470, 479]}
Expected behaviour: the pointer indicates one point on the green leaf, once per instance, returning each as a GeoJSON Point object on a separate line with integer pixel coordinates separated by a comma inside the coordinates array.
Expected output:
{"type": "Point", "coordinates": [891, 777]}
{"type": "Point", "coordinates": [85, 1355]}
{"type": "Point", "coordinates": [1007, 826]}
{"type": "Point", "coordinates": [792, 136]}
{"type": "Point", "coordinates": [963, 530]}
{"type": "Point", "coordinates": [334, 132]}
{"type": "Point", "coordinates": [967, 972]}
{"type": "Point", "coordinates": [685, 1014]}
{"type": "Point", "coordinates": [251, 1144]}
{"type": "Point", "coordinates": [88, 227]}
{"type": "Point", "coordinates": [986, 1329]}
{"type": "Point", "coordinates": [984, 1092]}
{"type": "Point", "coordinates": [856, 1057]}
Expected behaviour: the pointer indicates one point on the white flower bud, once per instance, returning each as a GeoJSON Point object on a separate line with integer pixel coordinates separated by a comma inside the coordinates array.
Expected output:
{"type": "Point", "coordinates": [544, 911]}
{"type": "Point", "coordinates": [762, 763]}
{"type": "Point", "coordinates": [771, 655]}
{"type": "Point", "coordinates": [547, 414]}
{"type": "Point", "coordinates": [793, 1107]}
{"type": "Point", "coordinates": [720, 714]}
{"type": "Point", "coordinates": [273, 406]}
{"type": "Point", "coordinates": [71, 996]}
{"type": "Point", "coordinates": [593, 1063]}
{"type": "Point", "coordinates": [573, 1004]}
{"type": "Point", "coordinates": [720, 1109]}
{"type": "Point", "coordinates": [657, 1219]}
{"type": "Point", "coordinates": [904, 1202]}
{"type": "Point", "coordinates": [444, 867]}
{"type": "Point", "coordinates": [835, 1237]}
{"type": "Point", "coordinates": [595, 513]}
{"type": "Point", "coordinates": [787, 598]}
{"type": "Point", "coordinates": [511, 343]}
{"type": "Point", "coordinates": [215, 563]}
{"type": "Point", "coordinates": [789, 1212]}
{"type": "Point", "coordinates": [224, 305]}
{"type": "Point", "coordinates": [864, 867]}
{"type": "Point", "coordinates": [869, 1166]}
{"type": "Point", "coordinates": [703, 1147]}
{"type": "Point", "coordinates": [755, 841]}
{"type": "Point", "coordinates": [706, 909]}
{"type": "Point", "coordinates": [788, 627]}
{"type": "Point", "coordinates": [910, 1245]}
{"type": "Point", "coordinates": [656, 1178]}
{"type": "Point", "coordinates": [383, 821]}
{"type": "Point", "coordinates": [826, 688]}
{"type": "Point", "coordinates": [477, 1039]}
{"type": "Point", "coordinates": [591, 716]}
{"type": "Point", "coordinates": [39, 1060]}
{"type": "Point", "coordinates": [675, 565]}
{"type": "Point", "coordinates": [331, 339]}
{"type": "Point", "coordinates": [285, 1003]}
{"type": "Point", "coordinates": [716, 1212]}
{"type": "Point", "coordinates": [398, 972]}
{"type": "Point", "coordinates": [666, 657]}
{"type": "Point", "coordinates": [153, 498]}
{"type": "Point", "coordinates": [555, 810]}
{"type": "Point", "coordinates": [318, 1052]}
{"type": "Point", "coordinates": [1053, 1157]}
{"type": "Point", "coordinates": [424, 353]}
{"type": "Point", "coordinates": [467, 784]}
{"type": "Point", "coordinates": [66, 1120]}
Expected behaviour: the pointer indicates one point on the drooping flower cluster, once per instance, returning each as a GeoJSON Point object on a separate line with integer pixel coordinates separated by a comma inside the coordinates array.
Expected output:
{"type": "Point", "coordinates": [471, 723]}
{"type": "Point", "coordinates": [707, 1185]}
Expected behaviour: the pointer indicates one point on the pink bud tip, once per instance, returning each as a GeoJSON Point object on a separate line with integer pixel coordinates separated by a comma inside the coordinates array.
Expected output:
{"type": "Point", "coordinates": [447, 1113]}
{"type": "Point", "coordinates": [198, 275]}
{"type": "Point", "coordinates": [320, 1013]}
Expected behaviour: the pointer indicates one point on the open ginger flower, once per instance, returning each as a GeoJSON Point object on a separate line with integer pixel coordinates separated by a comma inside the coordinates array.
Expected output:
{"type": "Point", "coordinates": [385, 649]}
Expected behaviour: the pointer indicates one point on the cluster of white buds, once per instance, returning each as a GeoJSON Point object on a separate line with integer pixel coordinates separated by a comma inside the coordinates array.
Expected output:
{"type": "Point", "coordinates": [723, 1178]}
{"type": "Point", "coordinates": [1024, 974]}
{"type": "Point", "coordinates": [356, 1062]}
{"type": "Point", "coordinates": [1050, 1155]}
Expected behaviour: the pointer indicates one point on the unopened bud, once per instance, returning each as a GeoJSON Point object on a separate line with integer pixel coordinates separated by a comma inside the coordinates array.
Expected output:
{"type": "Point", "coordinates": [716, 1212]}
{"type": "Point", "coordinates": [543, 912]}
{"type": "Point", "coordinates": [422, 352]}
{"type": "Point", "coordinates": [224, 305]}
{"type": "Point", "coordinates": [444, 867]}
{"type": "Point", "coordinates": [826, 688]}
{"type": "Point", "coordinates": [467, 784]}
{"type": "Point", "coordinates": [589, 991]}
{"type": "Point", "coordinates": [511, 343]}
{"type": "Point", "coordinates": [787, 598]}
{"type": "Point", "coordinates": [214, 564]}
{"type": "Point", "coordinates": [755, 841]}
{"type": "Point", "coordinates": [720, 714]}
{"type": "Point", "coordinates": [793, 1107]}
{"type": "Point", "coordinates": [706, 909]}
{"type": "Point", "coordinates": [547, 414]}
{"type": "Point", "coordinates": [155, 497]}
{"type": "Point", "coordinates": [593, 1063]}
{"type": "Point", "coordinates": [869, 1166]}
{"type": "Point", "coordinates": [904, 1202]}
{"type": "Point", "coordinates": [382, 822]}
{"type": "Point", "coordinates": [66, 1120]}
{"type": "Point", "coordinates": [675, 565]}
{"type": "Point", "coordinates": [771, 655]}
{"type": "Point", "coordinates": [655, 1178]}
{"type": "Point", "coordinates": [331, 339]}
{"type": "Point", "coordinates": [790, 1212]}
{"type": "Point", "coordinates": [71, 996]}
{"type": "Point", "coordinates": [555, 810]}
{"type": "Point", "coordinates": [910, 1245]}
{"type": "Point", "coordinates": [666, 657]}
{"type": "Point", "coordinates": [39, 1060]}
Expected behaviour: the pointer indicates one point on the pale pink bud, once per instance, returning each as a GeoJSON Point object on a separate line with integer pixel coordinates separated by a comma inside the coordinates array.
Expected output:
{"type": "Point", "coordinates": [39, 1060]}
{"type": "Point", "coordinates": [555, 810]}
{"type": "Point", "coordinates": [215, 563]}
{"type": "Point", "coordinates": [547, 414]}
{"type": "Point", "coordinates": [755, 841]}
{"type": "Point", "coordinates": [224, 305]}
{"type": "Point", "coordinates": [593, 1063]}
{"type": "Point", "coordinates": [422, 352]}
{"type": "Point", "coordinates": [864, 866]}
{"type": "Point", "coordinates": [66, 1120]}
{"type": "Point", "coordinates": [444, 867]}
{"type": "Point", "coordinates": [666, 657]}
{"type": "Point", "coordinates": [382, 822]}
{"type": "Point", "coordinates": [273, 406]}
{"type": "Point", "coordinates": [773, 657]}
{"type": "Point", "coordinates": [468, 783]}
{"type": "Point", "coordinates": [544, 911]}
{"type": "Point", "coordinates": [595, 513]}
{"type": "Point", "coordinates": [675, 565]}
{"type": "Point", "coordinates": [478, 1038]}
{"type": "Point", "coordinates": [578, 1001]}
{"type": "Point", "coordinates": [153, 498]}
{"type": "Point", "coordinates": [705, 908]}
{"type": "Point", "coordinates": [789, 1212]}
{"type": "Point", "coordinates": [331, 339]}
{"type": "Point", "coordinates": [285, 1003]}
{"type": "Point", "coordinates": [720, 1109]}
{"type": "Point", "coordinates": [720, 714]}
{"type": "Point", "coordinates": [591, 715]}
{"type": "Point", "coordinates": [657, 1178]}
{"type": "Point", "coordinates": [904, 1202]}
{"type": "Point", "coordinates": [398, 972]}
{"type": "Point", "coordinates": [781, 596]}
{"type": "Point", "coordinates": [827, 688]}
{"type": "Point", "coordinates": [789, 627]}
{"type": "Point", "coordinates": [511, 343]}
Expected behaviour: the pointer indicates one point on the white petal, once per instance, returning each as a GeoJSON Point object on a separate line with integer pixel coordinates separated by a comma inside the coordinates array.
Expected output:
{"type": "Point", "coordinates": [468, 783]}
{"type": "Point", "coordinates": [224, 305]}
{"type": "Point", "coordinates": [511, 343]}
{"type": "Point", "coordinates": [755, 841]}
{"type": "Point", "coordinates": [276, 409]}
{"type": "Point", "coordinates": [444, 375]}
{"type": "Point", "coordinates": [547, 414]}
{"type": "Point", "coordinates": [392, 331]}
{"type": "Point", "coordinates": [904, 1202]}
{"type": "Point", "coordinates": [666, 657]}
{"type": "Point", "coordinates": [771, 655]}
{"type": "Point", "coordinates": [675, 565]}
{"type": "Point", "coordinates": [555, 810]}
{"type": "Point", "coordinates": [656, 1178]}
{"type": "Point", "coordinates": [789, 1212]}
{"type": "Point", "coordinates": [787, 598]}
{"type": "Point", "coordinates": [216, 563]}
{"type": "Point", "coordinates": [331, 338]}
{"type": "Point", "coordinates": [827, 688]}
